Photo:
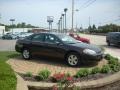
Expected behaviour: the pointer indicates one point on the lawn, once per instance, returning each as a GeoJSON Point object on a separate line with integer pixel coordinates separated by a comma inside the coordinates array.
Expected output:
{"type": "Point", "coordinates": [8, 79]}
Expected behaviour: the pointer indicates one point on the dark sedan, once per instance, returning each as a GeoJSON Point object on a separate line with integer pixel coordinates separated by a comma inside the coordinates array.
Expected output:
{"type": "Point", "coordinates": [59, 46]}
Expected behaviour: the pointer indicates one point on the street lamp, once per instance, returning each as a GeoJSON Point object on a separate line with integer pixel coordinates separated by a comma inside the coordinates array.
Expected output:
{"type": "Point", "coordinates": [59, 26]}
{"type": "Point", "coordinates": [12, 20]}
{"type": "Point", "coordinates": [63, 22]}
{"type": "Point", "coordinates": [65, 10]}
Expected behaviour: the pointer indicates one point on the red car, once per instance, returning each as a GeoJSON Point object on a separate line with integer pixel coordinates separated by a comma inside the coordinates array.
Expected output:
{"type": "Point", "coordinates": [77, 37]}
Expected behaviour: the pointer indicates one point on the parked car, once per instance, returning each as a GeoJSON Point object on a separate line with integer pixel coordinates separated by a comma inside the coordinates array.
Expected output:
{"type": "Point", "coordinates": [77, 37]}
{"type": "Point", "coordinates": [9, 36]}
{"type": "Point", "coordinates": [113, 38]}
{"type": "Point", "coordinates": [23, 35]}
{"type": "Point", "coordinates": [59, 46]}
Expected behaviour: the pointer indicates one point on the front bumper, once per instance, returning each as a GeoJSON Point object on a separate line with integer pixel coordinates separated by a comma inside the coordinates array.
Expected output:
{"type": "Point", "coordinates": [92, 58]}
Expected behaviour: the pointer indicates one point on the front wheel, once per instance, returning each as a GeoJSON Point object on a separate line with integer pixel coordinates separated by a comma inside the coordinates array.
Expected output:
{"type": "Point", "coordinates": [26, 54]}
{"type": "Point", "coordinates": [73, 59]}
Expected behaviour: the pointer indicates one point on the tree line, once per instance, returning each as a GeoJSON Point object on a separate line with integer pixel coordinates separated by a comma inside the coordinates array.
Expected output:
{"type": "Point", "coordinates": [104, 29]}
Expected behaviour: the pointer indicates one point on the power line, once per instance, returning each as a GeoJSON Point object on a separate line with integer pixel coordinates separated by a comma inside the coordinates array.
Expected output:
{"type": "Point", "coordinates": [85, 3]}
{"type": "Point", "coordinates": [88, 3]}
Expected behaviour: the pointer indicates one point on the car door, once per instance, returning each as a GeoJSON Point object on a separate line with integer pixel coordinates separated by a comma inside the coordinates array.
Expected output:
{"type": "Point", "coordinates": [54, 47]}
{"type": "Point", "coordinates": [37, 44]}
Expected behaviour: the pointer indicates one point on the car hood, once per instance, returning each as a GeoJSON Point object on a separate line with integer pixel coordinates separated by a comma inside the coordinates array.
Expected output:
{"type": "Point", "coordinates": [87, 46]}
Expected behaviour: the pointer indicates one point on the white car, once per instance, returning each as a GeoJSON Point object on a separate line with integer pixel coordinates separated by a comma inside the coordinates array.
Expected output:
{"type": "Point", "coordinates": [23, 35]}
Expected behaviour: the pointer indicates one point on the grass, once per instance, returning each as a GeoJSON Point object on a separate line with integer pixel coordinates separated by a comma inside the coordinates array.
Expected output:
{"type": "Point", "coordinates": [8, 79]}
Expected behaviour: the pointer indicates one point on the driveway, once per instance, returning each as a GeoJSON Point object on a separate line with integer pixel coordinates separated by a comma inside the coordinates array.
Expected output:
{"type": "Point", "coordinates": [101, 40]}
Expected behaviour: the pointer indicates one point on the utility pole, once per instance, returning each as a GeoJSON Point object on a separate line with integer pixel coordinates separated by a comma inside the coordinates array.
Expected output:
{"type": "Point", "coordinates": [72, 15]}
{"type": "Point", "coordinates": [0, 18]}
{"type": "Point", "coordinates": [89, 22]}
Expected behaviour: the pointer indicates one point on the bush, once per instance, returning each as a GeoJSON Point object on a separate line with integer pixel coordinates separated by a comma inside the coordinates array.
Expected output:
{"type": "Point", "coordinates": [82, 73]}
{"type": "Point", "coordinates": [95, 70]}
{"type": "Point", "coordinates": [105, 69]}
{"type": "Point", "coordinates": [44, 74]}
{"type": "Point", "coordinates": [115, 67]}
{"type": "Point", "coordinates": [108, 57]}
{"type": "Point", "coordinates": [113, 61]}
{"type": "Point", "coordinates": [28, 74]}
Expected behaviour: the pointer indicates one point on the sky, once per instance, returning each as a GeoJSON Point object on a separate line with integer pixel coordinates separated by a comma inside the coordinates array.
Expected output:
{"type": "Point", "coordinates": [35, 12]}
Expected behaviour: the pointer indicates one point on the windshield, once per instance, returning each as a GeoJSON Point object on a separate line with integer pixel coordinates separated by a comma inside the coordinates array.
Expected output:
{"type": "Point", "coordinates": [67, 39]}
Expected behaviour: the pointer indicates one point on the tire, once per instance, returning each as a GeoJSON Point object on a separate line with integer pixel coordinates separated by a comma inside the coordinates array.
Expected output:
{"type": "Point", "coordinates": [26, 54]}
{"type": "Point", "coordinates": [73, 59]}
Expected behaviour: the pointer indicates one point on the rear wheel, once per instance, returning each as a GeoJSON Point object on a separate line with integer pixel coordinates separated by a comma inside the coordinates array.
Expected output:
{"type": "Point", "coordinates": [26, 54]}
{"type": "Point", "coordinates": [73, 59]}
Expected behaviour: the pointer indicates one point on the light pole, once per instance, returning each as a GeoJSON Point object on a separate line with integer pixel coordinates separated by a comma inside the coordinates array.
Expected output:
{"type": "Point", "coordinates": [76, 20]}
{"type": "Point", "coordinates": [63, 22]}
{"type": "Point", "coordinates": [65, 10]}
{"type": "Point", "coordinates": [59, 26]}
{"type": "Point", "coordinates": [12, 20]}
{"type": "Point", "coordinates": [72, 16]}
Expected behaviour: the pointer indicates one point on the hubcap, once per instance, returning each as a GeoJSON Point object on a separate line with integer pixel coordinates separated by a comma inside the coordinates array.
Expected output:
{"type": "Point", "coordinates": [26, 54]}
{"type": "Point", "coordinates": [72, 60]}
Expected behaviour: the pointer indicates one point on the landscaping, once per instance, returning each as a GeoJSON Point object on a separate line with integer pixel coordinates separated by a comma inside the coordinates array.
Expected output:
{"type": "Point", "coordinates": [8, 79]}
{"type": "Point", "coordinates": [65, 79]}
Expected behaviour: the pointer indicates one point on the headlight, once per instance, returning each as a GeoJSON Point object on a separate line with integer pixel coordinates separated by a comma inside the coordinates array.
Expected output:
{"type": "Point", "coordinates": [88, 51]}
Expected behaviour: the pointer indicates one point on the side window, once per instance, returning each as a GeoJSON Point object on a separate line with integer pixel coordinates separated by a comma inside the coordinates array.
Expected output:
{"type": "Point", "coordinates": [51, 39]}
{"type": "Point", "coordinates": [39, 37]}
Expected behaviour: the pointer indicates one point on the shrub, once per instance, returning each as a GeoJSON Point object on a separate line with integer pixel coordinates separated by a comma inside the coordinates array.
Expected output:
{"type": "Point", "coordinates": [105, 69]}
{"type": "Point", "coordinates": [28, 74]}
{"type": "Point", "coordinates": [115, 67]}
{"type": "Point", "coordinates": [44, 74]}
{"type": "Point", "coordinates": [95, 70]}
{"type": "Point", "coordinates": [108, 57]}
{"type": "Point", "coordinates": [82, 73]}
{"type": "Point", "coordinates": [113, 61]}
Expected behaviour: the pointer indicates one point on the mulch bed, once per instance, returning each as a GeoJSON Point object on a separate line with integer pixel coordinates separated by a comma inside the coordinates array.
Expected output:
{"type": "Point", "coordinates": [87, 78]}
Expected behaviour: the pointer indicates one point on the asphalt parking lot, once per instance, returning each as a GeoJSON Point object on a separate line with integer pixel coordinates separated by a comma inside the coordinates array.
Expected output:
{"type": "Point", "coordinates": [7, 45]}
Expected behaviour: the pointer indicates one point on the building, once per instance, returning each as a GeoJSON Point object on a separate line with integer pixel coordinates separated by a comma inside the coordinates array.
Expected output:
{"type": "Point", "coordinates": [18, 30]}
{"type": "Point", "coordinates": [38, 30]}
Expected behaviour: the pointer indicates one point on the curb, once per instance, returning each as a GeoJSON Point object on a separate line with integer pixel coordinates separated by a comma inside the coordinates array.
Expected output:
{"type": "Point", "coordinates": [21, 84]}
{"type": "Point", "coordinates": [82, 85]}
